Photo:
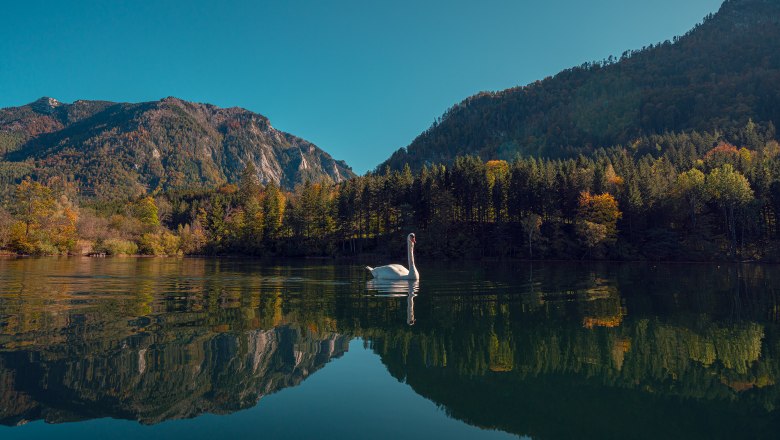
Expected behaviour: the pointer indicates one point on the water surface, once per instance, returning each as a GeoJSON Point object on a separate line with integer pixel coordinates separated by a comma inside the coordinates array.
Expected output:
{"type": "Point", "coordinates": [206, 348]}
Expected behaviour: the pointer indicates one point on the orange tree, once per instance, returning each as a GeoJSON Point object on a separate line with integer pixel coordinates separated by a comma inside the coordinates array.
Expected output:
{"type": "Point", "coordinates": [597, 218]}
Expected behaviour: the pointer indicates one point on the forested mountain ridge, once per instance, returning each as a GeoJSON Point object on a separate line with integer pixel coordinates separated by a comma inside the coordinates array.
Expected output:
{"type": "Point", "coordinates": [722, 73]}
{"type": "Point", "coordinates": [116, 150]}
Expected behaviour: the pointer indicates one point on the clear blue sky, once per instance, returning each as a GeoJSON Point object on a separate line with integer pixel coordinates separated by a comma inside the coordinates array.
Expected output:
{"type": "Point", "coordinates": [359, 78]}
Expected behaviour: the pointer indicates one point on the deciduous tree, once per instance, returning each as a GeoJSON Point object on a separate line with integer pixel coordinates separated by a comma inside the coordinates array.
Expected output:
{"type": "Point", "coordinates": [731, 192]}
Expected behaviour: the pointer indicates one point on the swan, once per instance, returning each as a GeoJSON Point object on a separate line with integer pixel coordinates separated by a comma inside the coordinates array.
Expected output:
{"type": "Point", "coordinates": [396, 271]}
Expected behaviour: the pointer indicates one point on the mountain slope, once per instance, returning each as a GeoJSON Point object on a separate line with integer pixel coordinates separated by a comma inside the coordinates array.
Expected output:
{"type": "Point", "coordinates": [120, 149]}
{"type": "Point", "coordinates": [718, 76]}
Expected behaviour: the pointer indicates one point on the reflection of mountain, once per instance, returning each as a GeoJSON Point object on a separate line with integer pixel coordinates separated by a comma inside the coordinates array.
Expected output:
{"type": "Point", "coordinates": [156, 377]}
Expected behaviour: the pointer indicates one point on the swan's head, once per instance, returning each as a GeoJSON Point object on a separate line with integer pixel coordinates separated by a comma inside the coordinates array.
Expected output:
{"type": "Point", "coordinates": [410, 239]}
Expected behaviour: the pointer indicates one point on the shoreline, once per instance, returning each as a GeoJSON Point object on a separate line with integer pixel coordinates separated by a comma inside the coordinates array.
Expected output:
{"type": "Point", "coordinates": [361, 258]}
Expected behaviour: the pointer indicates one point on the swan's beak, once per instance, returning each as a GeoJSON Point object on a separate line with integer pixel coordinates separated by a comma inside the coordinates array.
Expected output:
{"type": "Point", "coordinates": [414, 240]}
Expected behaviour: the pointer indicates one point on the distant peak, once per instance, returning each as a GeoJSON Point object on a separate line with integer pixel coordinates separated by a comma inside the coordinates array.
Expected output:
{"type": "Point", "coordinates": [173, 101]}
{"type": "Point", "coordinates": [45, 105]}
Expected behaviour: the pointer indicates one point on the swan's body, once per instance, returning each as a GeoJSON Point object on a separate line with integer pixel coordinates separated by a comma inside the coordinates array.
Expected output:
{"type": "Point", "coordinates": [389, 272]}
{"type": "Point", "coordinates": [396, 271]}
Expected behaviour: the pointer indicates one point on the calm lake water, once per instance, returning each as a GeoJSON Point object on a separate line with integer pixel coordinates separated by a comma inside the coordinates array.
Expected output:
{"type": "Point", "coordinates": [229, 348]}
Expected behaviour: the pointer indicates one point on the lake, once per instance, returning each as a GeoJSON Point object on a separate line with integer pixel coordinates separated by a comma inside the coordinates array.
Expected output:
{"type": "Point", "coordinates": [235, 348]}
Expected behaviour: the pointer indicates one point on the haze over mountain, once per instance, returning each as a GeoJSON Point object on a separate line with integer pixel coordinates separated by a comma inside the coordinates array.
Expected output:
{"type": "Point", "coordinates": [117, 150]}
{"type": "Point", "coordinates": [715, 78]}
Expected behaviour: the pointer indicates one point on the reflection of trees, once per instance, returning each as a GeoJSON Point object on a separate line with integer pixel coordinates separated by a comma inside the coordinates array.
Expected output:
{"type": "Point", "coordinates": [160, 339]}
{"type": "Point", "coordinates": [573, 359]}
{"type": "Point", "coordinates": [575, 382]}
{"type": "Point", "coordinates": [638, 353]}
{"type": "Point", "coordinates": [521, 373]}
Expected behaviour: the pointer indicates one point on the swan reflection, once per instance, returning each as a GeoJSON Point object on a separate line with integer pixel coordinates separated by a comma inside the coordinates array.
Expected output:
{"type": "Point", "coordinates": [397, 288]}
{"type": "Point", "coordinates": [410, 309]}
{"type": "Point", "coordinates": [393, 287]}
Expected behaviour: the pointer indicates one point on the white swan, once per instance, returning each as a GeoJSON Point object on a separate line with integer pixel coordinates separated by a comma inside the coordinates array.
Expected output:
{"type": "Point", "coordinates": [396, 271]}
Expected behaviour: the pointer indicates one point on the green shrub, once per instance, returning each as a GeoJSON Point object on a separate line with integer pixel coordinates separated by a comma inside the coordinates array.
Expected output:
{"type": "Point", "coordinates": [151, 244]}
{"type": "Point", "coordinates": [170, 242]}
{"type": "Point", "coordinates": [45, 249]}
{"type": "Point", "coordinates": [159, 243]}
{"type": "Point", "coordinates": [116, 246]}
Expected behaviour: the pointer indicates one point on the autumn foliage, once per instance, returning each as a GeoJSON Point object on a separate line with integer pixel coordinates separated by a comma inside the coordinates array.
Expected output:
{"type": "Point", "coordinates": [597, 219]}
{"type": "Point", "coordinates": [44, 225]}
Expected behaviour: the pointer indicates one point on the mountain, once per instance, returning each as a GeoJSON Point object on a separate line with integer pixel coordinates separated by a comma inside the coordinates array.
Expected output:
{"type": "Point", "coordinates": [120, 149]}
{"type": "Point", "coordinates": [717, 77]}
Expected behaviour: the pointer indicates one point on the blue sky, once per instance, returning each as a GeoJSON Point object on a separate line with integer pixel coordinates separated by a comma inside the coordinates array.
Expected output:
{"type": "Point", "coordinates": [358, 78]}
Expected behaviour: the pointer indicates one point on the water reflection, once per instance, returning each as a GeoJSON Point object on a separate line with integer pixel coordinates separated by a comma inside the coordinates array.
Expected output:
{"type": "Point", "coordinates": [410, 309]}
{"type": "Point", "coordinates": [614, 350]}
{"type": "Point", "coordinates": [393, 287]}
{"type": "Point", "coordinates": [396, 288]}
{"type": "Point", "coordinates": [157, 376]}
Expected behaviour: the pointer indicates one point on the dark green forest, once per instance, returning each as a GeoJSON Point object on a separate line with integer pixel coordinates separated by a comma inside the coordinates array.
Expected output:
{"type": "Point", "coordinates": [703, 198]}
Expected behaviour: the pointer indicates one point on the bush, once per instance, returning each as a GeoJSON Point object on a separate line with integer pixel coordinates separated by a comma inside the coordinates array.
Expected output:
{"type": "Point", "coordinates": [150, 244]}
{"type": "Point", "coordinates": [19, 241]}
{"type": "Point", "coordinates": [159, 243]}
{"type": "Point", "coordinates": [116, 246]}
{"type": "Point", "coordinates": [170, 243]}
{"type": "Point", "coordinates": [46, 249]}
{"type": "Point", "coordinates": [193, 239]}
{"type": "Point", "coordinates": [31, 247]}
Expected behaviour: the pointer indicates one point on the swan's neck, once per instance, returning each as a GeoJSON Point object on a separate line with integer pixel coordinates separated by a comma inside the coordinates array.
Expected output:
{"type": "Point", "coordinates": [412, 269]}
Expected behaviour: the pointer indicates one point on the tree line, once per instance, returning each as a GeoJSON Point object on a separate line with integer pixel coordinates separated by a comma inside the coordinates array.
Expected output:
{"type": "Point", "coordinates": [699, 198]}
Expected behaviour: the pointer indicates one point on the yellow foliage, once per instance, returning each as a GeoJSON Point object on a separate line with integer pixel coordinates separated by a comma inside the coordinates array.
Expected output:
{"type": "Point", "coordinates": [159, 243]}
{"type": "Point", "coordinates": [597, 212]}
{"type": "Point", "coordinates": [496, 170]}
{"type": "Point", "coordinates": [590, 322]}
{"type": "Point", "coordinates": [44, 225]}
{"type": "Point", "coordinates": [501, 355]}
{"type": "Point", "coordinates": [228, 188]}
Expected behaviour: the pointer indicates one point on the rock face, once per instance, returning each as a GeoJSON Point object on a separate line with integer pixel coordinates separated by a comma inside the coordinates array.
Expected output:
{"type": "Point", "coordinates": [721, 74]}
{"type": "Point", "coordinates": [116, 150]}
{"type": "Point", "coordinates": [152, 378]}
